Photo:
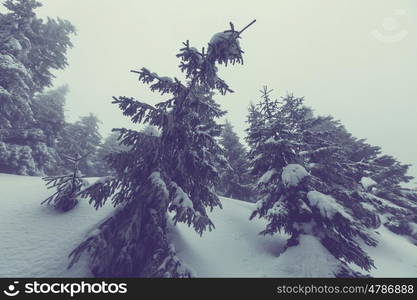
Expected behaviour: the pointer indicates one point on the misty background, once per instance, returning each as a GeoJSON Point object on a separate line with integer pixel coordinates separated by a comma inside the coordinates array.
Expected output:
{"type": "Point", "coordinates": [354, 60]}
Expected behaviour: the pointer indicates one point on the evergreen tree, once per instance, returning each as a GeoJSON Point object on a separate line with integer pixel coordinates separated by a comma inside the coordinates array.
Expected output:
{"type": "Point", "coordinates": [305, 205]}
{"type": "Point", "coordinates": [235, 179]}
{"type": "Point", "coordinates": [381, 178]}
{"type": "Point", "coordinates": [372, 180]}
{"type": "Point", "coordinates": [172, 172]}
{"type": "Point", "coordinates": [151, 130]}
{"type": "Point", "coordinates": [33, 151]}
{"type": "Point", "coordinates": [67, 186]}
{"type": "Point", "coordinates": [82, 137]}
{"type": "Point", "coordinates": [110, 145]}
{"type": "Point", "coordinates": [30, 49]}
{"type": "Point", "coordinates": [375, 179]}
{"type": "Point", "coordinates": [48, 110]}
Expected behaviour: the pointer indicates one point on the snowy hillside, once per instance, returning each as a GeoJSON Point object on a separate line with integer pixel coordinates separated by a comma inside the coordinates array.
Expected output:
{"type": "Point", "coordinates": [35, 241]}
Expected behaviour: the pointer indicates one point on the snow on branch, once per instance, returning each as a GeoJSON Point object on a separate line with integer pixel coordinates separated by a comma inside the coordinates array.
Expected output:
{"type": "Point", "coordinates": [141, 112]}
{"type": "Point", "coordinates": [292, 174]}
{"type": "Point", "coordinates": [266, 177]}
{"type": "Point", "coordinates": [200, 67]}
{"type": "Point", "coordinates": [327, 205]}
{"type": "Point", "coordinates": [159, 183]}
{"type": "Point", "coordinates": [273, 140]}
{"type": "Point", "coordinates": [163, 84]}
{"type": "Point", "coordinates": [224, 47]}
{"type": "Point", "coordinates": [9, 63]}
{"type": "Point", "coordinates": [181, 204]}
{"type": "Point", "coordinates": [181, 199]}
{"type": "Point", "coordinates": [277, 210]}
{"type": "Point", "coordinates": [367, 182]}
{"type": "Point", "coordinates": [319, 150]}
{"type": "Point", "coordinates": [100, 191]}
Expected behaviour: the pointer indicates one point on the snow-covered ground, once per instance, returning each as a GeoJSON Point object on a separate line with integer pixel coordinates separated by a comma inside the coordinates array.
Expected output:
{"type": "Point", "coordinates": [233, 249]}
{"type": "Point", "coordinates": [35, 241]}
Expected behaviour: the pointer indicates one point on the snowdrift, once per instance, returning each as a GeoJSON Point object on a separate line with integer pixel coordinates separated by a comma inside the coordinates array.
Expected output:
{"type": "Point", "coordinates": [35, 241]}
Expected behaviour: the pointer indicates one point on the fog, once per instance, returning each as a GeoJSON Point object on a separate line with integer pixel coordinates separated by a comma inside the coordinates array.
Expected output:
{"type": "Point", "coordinates": [355, 60]}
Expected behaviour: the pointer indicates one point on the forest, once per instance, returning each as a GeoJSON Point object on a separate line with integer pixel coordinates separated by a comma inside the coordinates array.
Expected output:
{"type": "Point", "coordinates": [312, 184]}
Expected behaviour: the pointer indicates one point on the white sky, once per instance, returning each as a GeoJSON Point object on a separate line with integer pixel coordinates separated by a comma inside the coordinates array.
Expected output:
{"type": "Point", "coordinates": [324, 50]}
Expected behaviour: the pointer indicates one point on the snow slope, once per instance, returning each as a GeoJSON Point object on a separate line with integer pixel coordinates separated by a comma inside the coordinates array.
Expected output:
{"type": "Point", "coordinates": [233, 249]}
{"type": "Point", "coordinates": [35, 241]}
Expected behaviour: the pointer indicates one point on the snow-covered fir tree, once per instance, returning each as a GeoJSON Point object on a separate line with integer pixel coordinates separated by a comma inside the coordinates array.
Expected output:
{"type": "Point", "coordinates": [171, 172]}
{"type": "Point", "coordinates": [38, 140]}
{"type": "Point", "coordinates": [30, 48]}
{"type": "Point", "coordinates": [235, 178]}
{"type": "Point", "coordinates": [382, 178]}
{"type": "Point", "coordinates": [151, 130]}
{"type": "Point", "coordinates": [48, 110]}
{"type": "Point", "coordinates": [67, 186]}
{"type": "Point", "coordinates": [307, 205]}
{"type": "Point", "coordinates": [110, 145]}
{"type": "Point", "coordinates": [373, 180]}
{"type": "Point", "coordinates": [82, 137]}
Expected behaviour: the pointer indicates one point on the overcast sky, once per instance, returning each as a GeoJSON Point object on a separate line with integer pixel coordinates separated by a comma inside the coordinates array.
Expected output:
{"type": "Point", "coordinates": [355, 60]}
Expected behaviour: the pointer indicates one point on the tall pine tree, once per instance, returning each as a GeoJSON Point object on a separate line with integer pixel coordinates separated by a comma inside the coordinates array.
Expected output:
{"type": "Point", "coordinates": [311, 207]}
{"type": "Point", "coordinates": [48, 110]}
{"type": "Point", "coordinates": [235, 178]}
{"type": "Point", "coordinates": [172, 172]}
{"type": "Point", "coordinates": [82, 137]}
{"type": "Point", "coordinates": [110, 145]}
{"type": "Point", "coordinates": [30, 48]}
